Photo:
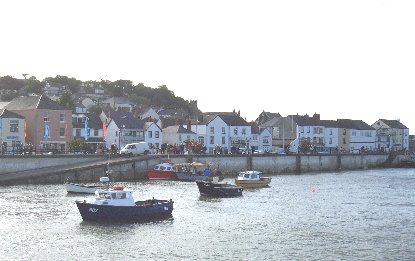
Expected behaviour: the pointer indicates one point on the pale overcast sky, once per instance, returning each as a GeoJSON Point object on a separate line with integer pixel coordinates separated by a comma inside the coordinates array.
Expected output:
{"type": "Point", "coordinates": [342, 59]}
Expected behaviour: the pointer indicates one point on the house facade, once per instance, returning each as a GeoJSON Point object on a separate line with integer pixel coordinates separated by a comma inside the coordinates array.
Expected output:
{"type": "Point", "coordinates": [391, 135]}
{"type": "Point", "coordinates": [227, 131]}
{"type": "Point", "coordinates": [123, 128]}
{"type": "Point", "coordinates": [48, 124]}
{"type": "Point", "coordinates": [153, 136]}
{"type": "Point", "coordinates": [12, 131]}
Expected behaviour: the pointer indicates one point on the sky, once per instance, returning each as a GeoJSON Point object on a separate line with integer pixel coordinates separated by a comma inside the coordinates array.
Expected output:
{"type": "Point", "coordinates": [351, 59]}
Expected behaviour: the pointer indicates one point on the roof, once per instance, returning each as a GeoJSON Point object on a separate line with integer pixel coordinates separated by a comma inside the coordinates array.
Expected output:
{"type": "Point", "coordinates": [177, 129]}
{"type": "Point", "coordinates": [330, 123]}
{"type": "Point", "coordinates": [147, 124]}
{"type": "Point", "coordinates": [34, 102]}
{"type": "Point", "coordinates": [266, 116]}
{"type": "Point", "coordinates": [233, 120]}
{"type": "Point", "coordinates": [394, 124]}
{"type": "Point", "coordinates": [354, 124]}
{"type": "Point", "coordinates": [94, 122]}
{"type": "Point", "coordinates": [126, 120]}
{"type": "Point", "coordinates": [9, 114]}
{"type": "Point", "coordinates": [305, 120]}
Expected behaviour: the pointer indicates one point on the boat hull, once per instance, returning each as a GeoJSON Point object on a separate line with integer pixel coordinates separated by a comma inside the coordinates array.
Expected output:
{"type": "Point", "coordinates": [218, 189]}
{"type": "Point", "coordinates": [156, 174]}
{"type": "Point", "coordinates": [263, 182]}
{"type": "Point", "coordinates": [148, 210]}
{"type": "Point", "coordinates": [79, 188]}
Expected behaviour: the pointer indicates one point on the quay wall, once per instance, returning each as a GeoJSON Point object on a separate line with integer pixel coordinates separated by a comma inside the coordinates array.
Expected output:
{"type": "Point", "coordinates": [134, 168]}
{"type": "Point", "coordinates": [14, 163]}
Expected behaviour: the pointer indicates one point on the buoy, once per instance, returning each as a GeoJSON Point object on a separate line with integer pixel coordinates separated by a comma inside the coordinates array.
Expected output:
{"type": "Point", "coordinates": [313, 190]}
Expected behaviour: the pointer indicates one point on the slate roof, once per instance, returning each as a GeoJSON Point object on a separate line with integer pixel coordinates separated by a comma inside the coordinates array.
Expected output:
{"type": "Point", "coordinates": [306, 120]}
{"type": "Point", "coordinates": [330, 123]}
{"type": "Point", "coordinates": [354, 124]}
{"type": "Point", "coordinates": [149, 123]}
{"type": "Point", "coordinates": [394, 124]}
{"type": "Point", "coordinates": [233, 120]}
{"type": "Point", "coordinates": [118, 100]}
{"type": "Point", "coordinates": [34, 102]}
{"type": "Point", "coordinates": [94, 122]}
{"type": "Point", "coordinates": [9, 114]}
{"type": "Point", "coordinates": [126, 119]}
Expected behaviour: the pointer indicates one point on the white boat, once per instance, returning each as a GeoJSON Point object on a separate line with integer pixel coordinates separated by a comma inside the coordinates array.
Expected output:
{"type": "Point", "coordinates": [252, 179]}
{"type": "Point", "coordinates": [88, 189]}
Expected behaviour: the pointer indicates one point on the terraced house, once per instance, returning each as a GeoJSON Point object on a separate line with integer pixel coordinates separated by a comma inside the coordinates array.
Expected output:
{"type": "Point", "coordinates": [48, 124]}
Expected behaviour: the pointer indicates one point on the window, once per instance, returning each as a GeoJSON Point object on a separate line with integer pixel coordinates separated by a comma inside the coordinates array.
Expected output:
{"type": "Point", "coordinates": [308, 130]}
{"type": "Point", "coordinates": [302, 129]}
{"type": "Point", "coordinates": [265, 140]}
{"type": "Point", "coordinates": [344, 141]}
{"type": "Point", "coordinates": [330, 140]}
{"type": "Point", "coordinates": [235, 131]}
{"type": "Point", "coordinates": [46, 117]}
{"type": "Point", "coordinates": [223, 130]}
{"type": "Point", "coordinates": [180, 138]}
{"type": "Point", "coordinates": [62, 132]}
{"type": "Point", "coordinates": [62, 117]}
{"type": "Point", "coordinates": [157, 145]}
{"type": "Point", "coordinates": [212, 130]}
{"type": "Point", "coordinates": [331, 131]}
{"type": "Point", "coordinates": [150, 134]}
{"type": "Point", "coordinates": [156, 134]}
{"type": "Point", "coordinates": [344, 131]}
{"type": "Point", "coordinates": [212, 140]}
{"type": "Point", "coordinates": [14, 127]}
{"type": "Point", "coordinates": [95, 133]}
{"type": "Point", "coordinates": [223, 139]}
{"type": "Point", "coordinates": [243, 131]}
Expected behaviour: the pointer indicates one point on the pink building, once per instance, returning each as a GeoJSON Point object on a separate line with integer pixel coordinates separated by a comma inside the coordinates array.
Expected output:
{"type": "Point", "coordinates": [48, 124]}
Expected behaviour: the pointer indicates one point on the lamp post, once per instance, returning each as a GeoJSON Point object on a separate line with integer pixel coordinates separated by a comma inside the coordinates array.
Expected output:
{"type": "Point", "coordinates": [119, 136]}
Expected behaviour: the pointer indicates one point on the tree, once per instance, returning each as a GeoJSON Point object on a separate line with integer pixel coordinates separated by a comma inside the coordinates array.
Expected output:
{"type": "Point", "coordinates": [10, 83]}
{"type": "Point", "coordinates": [72, 83]}
{"type": "Point", "coordinates": [66, 100]}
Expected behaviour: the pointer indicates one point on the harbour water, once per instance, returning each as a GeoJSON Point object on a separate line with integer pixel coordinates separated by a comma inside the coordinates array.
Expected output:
{"type": "Point", "coordinates": [356, 215]}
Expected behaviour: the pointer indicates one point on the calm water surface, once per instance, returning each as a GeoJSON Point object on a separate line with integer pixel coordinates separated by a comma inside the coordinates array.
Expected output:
{"type": "Point", "coordinates": [359, 215]}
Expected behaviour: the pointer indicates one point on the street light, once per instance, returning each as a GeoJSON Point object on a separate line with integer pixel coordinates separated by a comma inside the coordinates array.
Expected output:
{"type": "Point", "coordinates": [119, 137]}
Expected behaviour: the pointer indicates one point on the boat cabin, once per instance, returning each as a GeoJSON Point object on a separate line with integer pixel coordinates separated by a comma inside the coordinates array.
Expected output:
{"type": "Point", "coordinates": [115, 196]}
{"type": "Point", "coordinates": [249, 175]}
{"type": "Point", "coordinates": [165, 167]}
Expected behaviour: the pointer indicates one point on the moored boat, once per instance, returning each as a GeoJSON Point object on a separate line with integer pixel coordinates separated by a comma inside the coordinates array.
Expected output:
{"type": "Point", "coordinates": [191, 172]}
{"type": "Point", "coordinates": [164, 170]}
{"type": "Point", "coordinates": [216, 189]}
{"type": "Point", "coordinates": [72, 187]}
{"type": "Point", "coordinates": [117, 204]}
{"type": "Point", "coordinates": [252, 179]}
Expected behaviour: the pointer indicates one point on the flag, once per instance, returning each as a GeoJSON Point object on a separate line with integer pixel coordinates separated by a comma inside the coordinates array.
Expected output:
{"type": "Point", "coordinates": [86, 128]}
{"type": "Point", "coordinates": [104, 130]}
{"type": "Point", "coordinates": [46, 130]}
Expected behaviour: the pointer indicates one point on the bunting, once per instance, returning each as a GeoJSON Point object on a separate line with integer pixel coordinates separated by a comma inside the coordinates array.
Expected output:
{"type": "Point", "coordinates": [86, 128]}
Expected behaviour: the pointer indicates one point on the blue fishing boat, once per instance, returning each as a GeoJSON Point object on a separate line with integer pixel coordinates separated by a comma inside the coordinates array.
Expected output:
{"type": "Point", "coordinates": [117, 204]}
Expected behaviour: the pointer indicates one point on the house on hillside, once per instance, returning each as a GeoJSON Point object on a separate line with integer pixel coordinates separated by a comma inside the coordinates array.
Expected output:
{"type": "Point", "coordinates": [118, 104]}
{"type": "Point", "coordinates": [391, 135]}
{"type": "Point", "coordinates": [48, 124]}
{"type": "Point", "coordinates": [123, 128]}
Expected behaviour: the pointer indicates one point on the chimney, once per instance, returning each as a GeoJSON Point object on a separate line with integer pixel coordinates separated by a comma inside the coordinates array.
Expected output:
{"type": "Point", "coordinates": [316, 116]}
